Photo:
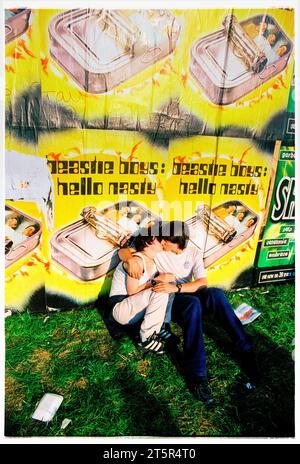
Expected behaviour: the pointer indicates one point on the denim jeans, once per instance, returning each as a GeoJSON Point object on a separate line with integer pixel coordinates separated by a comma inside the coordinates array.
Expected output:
{"type": "Point", "coordinates": [188, 310]}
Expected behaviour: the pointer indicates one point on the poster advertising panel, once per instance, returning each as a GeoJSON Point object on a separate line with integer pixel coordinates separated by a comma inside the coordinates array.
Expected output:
{"type": "Point", "coordinates": [276, 251]}
{"type": "Point", "coordinates": [236, 82]}
{"type": "Point", "coordinates": [209, 72]}
{"type": "Point", "coordinates": [113, 177]}
{"type": "Point", "coordinates": [289, 133]}
{"type": "Point", "coordinates": [22, 71]}
{"type": "Point", "coordinates": [220, 185]}
{"type": "Point", "coordinates": [106, 185]}
{"type": "Point", "coordinates": [121, 103]}
{"type": "Point", "coordinates": [25, 264]}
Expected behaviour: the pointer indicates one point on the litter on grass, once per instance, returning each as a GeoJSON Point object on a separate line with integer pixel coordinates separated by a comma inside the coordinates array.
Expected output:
{"type": "Point", "coordinates": [47, 407]}
{"type": "Point", "coordinates": [65, 423]}
{"type": "Point", "coordinates": [246, 313]}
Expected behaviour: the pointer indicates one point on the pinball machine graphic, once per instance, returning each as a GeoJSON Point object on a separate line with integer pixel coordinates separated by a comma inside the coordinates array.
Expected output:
{"type": "Point", "coordinates": [233, 61]}
{"type": "Point", "coordinates": [16, 22]}
{"type": "Point", "coordinates": [88, 248]}
{"type": "Point", "coordinates": [102, 48]}
{"type": "Point", "coordinates": [22, 234]}
{"type": "Point", "coordinates": [220, 230]}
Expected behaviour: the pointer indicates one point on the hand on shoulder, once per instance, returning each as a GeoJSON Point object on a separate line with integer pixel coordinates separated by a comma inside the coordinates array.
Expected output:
{"type": "Point", "coordinates": [134, 267]}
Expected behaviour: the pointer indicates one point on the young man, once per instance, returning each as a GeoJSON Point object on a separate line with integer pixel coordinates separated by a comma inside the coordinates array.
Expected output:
{"type": "Point", "coordinates": [192, 299]}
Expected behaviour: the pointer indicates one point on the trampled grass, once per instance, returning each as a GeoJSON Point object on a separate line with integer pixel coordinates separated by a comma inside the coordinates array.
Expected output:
{"type": "Point", "coordinates": [111, 389]}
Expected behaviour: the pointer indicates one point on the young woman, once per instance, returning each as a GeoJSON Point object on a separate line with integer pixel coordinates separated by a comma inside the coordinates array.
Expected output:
{"type": "Point", "coordinates": [134, 299]}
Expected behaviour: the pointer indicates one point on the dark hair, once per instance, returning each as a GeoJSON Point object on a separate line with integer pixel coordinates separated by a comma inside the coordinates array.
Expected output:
{"type": "Point", "coordinates": [261, 19]}
{"type": "Point", "coordinates": [244, 213]}
{"type": "Point", "coordinates": [175, 232]}
{"type": "Point", "coordinates": [35, 226]}
{"type": "Point", "coordinates": [230, 203]}
{"type": "Point", "coordinates": [254, 219]}
{"type": "Point", "coordinates": [18, 218]}
{"type": "Point", "coordinates": [143, 239]}
{"type": "Point", "coordinates": [287, 45]}
{"type": "Point", "coordinates": [272, 33]}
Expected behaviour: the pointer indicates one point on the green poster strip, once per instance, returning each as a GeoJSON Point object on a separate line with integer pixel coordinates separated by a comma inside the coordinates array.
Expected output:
{"type": "Point", "coordinates": [278, 240]}
{"type": "Point", "coordinates": [291, 102]}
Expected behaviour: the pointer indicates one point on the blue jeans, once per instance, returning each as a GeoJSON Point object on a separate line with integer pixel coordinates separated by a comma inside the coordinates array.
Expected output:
{"type": "Point", "coordinates": [188, 310]}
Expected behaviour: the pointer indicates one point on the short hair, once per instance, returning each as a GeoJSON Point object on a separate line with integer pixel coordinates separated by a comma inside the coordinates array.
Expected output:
{"type": "Point", "coordinates": [175, 232]}
{"type": "Point", "coordinates": [243, 212]}
{"type": "Point", "coordinates": [230, 203]}
{"type": "Point", "coordinates": [287, 45]}
{"type": "Point", "coordinates": [35, 226]}
{"type": "Point", "coordinates": [254, 219]}
{"type": "Point", "coordinates": [272, 33]}
{"type": "Point", "coordinates": [143, 239]}
{"type": "Point", "coordinates": [18, 218]}
{"type": "Point", "coordinates": [260, 19]}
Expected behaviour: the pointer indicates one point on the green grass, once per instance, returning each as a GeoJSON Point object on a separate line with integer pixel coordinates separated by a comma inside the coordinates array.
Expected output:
{"type": "Point", "coordinates": [111, 389]}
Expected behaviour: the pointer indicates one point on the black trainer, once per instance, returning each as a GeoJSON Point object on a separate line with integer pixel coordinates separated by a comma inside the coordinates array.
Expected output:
{"type": "Point", "coordinates": [166, 335]}
{"type": "Point", "coordinates": [249, 366]}
{"type": "Point", "coordinates": [200, 389]}
{"type": "Point", "coordinates": [152, 345]}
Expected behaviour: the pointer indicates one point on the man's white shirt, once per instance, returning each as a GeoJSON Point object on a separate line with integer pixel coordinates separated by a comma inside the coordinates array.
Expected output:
{"type": "Point", "coordinates": [184, 266]}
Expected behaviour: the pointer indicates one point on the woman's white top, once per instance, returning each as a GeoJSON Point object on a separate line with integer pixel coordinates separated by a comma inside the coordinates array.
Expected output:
{"type": "Point", "coordinates": [118, 286]}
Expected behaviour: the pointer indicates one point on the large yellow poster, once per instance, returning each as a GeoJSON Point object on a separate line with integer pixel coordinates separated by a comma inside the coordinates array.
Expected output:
{"type": "Point", "coordinates": [217, 186]}
{"type": "Point", "coordinates": [119, 118]}
{"type": "Point", "coordinates": [202, 71]}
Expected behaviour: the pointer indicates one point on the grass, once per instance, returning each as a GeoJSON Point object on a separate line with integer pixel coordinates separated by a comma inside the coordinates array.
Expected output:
{"type": "Point", "coordinates": [111, 389]}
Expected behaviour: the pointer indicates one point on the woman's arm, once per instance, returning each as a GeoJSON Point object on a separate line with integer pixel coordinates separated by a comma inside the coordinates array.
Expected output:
{"type": "Point", "coordinates": [132, 264]}
{"type": "Point", "coordinates": [132, 285]}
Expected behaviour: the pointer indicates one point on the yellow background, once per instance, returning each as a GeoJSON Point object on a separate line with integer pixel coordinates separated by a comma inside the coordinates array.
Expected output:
{"type": "Point", "coordinates": [28, 64]}
{"type": "Point", "coordinates": [115, 145]}
{"type": "Point", "coordinates": [148, 90]}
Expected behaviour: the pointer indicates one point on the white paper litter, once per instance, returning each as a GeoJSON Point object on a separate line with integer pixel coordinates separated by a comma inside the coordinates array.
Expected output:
{"type": "Point", "coordinates": [47, 407]}
{"type": "Point", "coordinates": [27, 178]}
{"type": "Point", "coordinates": [65, 423]}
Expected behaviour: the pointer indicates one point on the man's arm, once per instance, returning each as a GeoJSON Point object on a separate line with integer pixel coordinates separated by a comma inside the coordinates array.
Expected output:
{"type": "Point", "coordinates": [188, 287]}
{"type": "Point", "coordinates": [126, 253]}
{"type": "Point", "coordinates": [133, 265]}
